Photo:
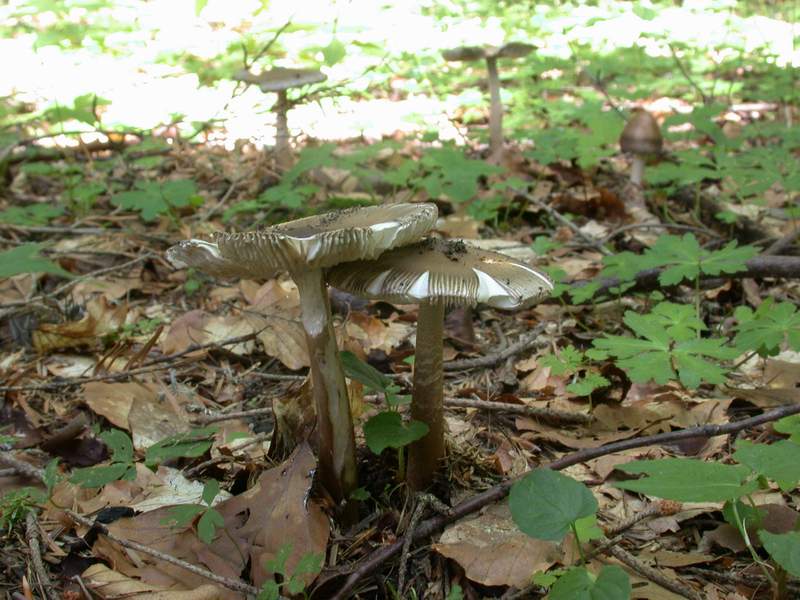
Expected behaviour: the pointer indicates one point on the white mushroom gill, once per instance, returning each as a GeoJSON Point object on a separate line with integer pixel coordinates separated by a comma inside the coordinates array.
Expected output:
{"type": "Point", "coordinates": [419, 289]}
{"type": "Point", "coordinates": [382, 226]}
{"type": "Point", "coordinates": [489, 289]}
{"type": "Point", "coordinates": [209, 247]}
{"type": "Point", "coordinates": [545, 281]}
{"type": "Point", "coordinates": [375, 286]}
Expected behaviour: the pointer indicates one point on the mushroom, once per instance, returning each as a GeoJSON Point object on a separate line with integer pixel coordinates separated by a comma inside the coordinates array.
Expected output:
{"type": "Point", "coordinates": [279, 80]}
{"type": "Point", "coordinates": [490, 54]}
{"type": "Point", "coordinates": [437, 274]}
{"type": "Point", "coordinates": [641, 138]}
{"type": "Point", "coordinates": [305, 248]}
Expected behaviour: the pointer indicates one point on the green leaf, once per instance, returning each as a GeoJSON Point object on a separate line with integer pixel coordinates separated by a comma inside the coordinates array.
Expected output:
{"type": "Point", "coordinates": [150, 205]}
{"type": "Point", "coordinates": [278, 564]}
{"type": "Point", "coordinates": [31, 215]}
{"type": "Point", "coordinates": [456, 593]}
{"type": "Point", "coordinates": [567, 361]}
{"type": "Point", "coordinates": [784, 548]}
{"type": "Point", "coordinates": [765, 330]}
{"type": "Point", "coordinates": [208, 524]}
{"type": "Point", "coordinates": [210, 491]}
{"type": "Point", "coordinates": [387, 430]}
{"type": "Point", "coordinates": [120, 445]}
{"type": "Point", "coordinates": [544, 504]}
{"type": "Point", "coordinates": [95, 477]}
{"type": "Point", "coordinates": [25, 258]}
{"type": "Point", "coordinates": [589, 383]}
{"type": "Point", "coordinates": [587, 528]}
{"type": "Point", "coordinates": [779, 462]}
{"type": "Point", "coordinates": [688, 480]}
{"type": "Point", "coordinates": [357, 369]}
{"type": "Point", "coordinates": [309, 564]}
{"type": "Point", "coordinates": [182, 515]}
{"type": "Point", "coordinates": [51, 476]}
{"type": "Point", "coordinates": [334, 52]}
{"type": "Point", "coordinates": [578, 584]}
{"type": "Point", "coordinates": [790, 426]}
{"type": "Point", "coordinates": [192, 444]}
{"type": "Point", "coordinates": [269, 590]}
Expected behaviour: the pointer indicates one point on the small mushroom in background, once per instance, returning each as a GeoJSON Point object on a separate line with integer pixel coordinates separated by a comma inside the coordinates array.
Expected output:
{"type": "Point", "coordinates": [437, 274]}
{"type": "Point", "coordinates": [641, 138]}
{"type": "Point", "coordinates": [305, 248]}
{"type": "Point", "coordinates": [490, 54]}
{"type": "Point", "coordinates": [279, 80]}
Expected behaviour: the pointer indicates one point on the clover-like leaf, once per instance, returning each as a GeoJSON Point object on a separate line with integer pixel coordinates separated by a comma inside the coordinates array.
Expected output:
{"type": "Point", "coordinates": [25, 258]}
{"type": "Point", "coordinates": [612, 583]}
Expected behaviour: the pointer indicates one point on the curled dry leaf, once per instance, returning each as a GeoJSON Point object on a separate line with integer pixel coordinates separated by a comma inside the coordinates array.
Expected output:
{"type": "Point", "coordinates": [108, 584]}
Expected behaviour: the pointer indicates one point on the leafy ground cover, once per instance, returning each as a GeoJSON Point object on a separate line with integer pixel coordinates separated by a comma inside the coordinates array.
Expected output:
{"type": "Point", "coordinates": [634, 436]}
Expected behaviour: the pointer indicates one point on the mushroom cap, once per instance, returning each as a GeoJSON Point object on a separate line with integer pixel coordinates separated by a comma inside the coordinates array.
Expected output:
{"type": "Point", "coordinates": [279, 78]}
{"type": "Point", "coordinates": [641, 135]}
{"type": "Point", "coordinates": [472, 53]}
{"type": "Point", "coordinates": [315, 242]}
{"type": "Point", "coordinates": [447, 270]}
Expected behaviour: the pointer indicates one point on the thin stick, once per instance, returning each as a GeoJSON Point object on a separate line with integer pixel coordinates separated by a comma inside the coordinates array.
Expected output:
{"type": "Point", "coordinates": [499, 491]}
{"type": "Point", "coordinates": [652, 574]}
{"type": "Point", "coordinates": [687, 76]}
{"type": "Point", "coordinates": [423, 501]}
{"type": "Point", "coordinates": [526, 342]}
{"type": "Point", "coordinates": [32, 534]}
{"type": "Point", "coordinates": [545, 414]}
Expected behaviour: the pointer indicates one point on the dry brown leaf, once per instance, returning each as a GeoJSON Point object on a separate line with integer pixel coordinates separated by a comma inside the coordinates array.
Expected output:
{"type": "Point", "coordinates": [375, 334]}
{"type": "Point", "coordinates": [279, 510]}
{"type": "Point", "coordinates": [101, 318]}
{"type": "Point", "coordinates": [493, 551]}
{"type": "Point", "coordinates": [185, 331]}
{"type": "Point", "coordinates": [111, 585]}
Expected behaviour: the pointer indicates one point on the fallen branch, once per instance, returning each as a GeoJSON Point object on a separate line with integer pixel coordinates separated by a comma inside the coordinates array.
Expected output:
{"type": "Point", "coordinates": [652, 574]}
{"type": "Point", "coordinates": [757, 267]}
{"type": "Point", "coordinates": [498, 492]}
{"type": "Point", "coordinates": [37, 564]}
{"type": "Point", "coordinates": [527, 341]}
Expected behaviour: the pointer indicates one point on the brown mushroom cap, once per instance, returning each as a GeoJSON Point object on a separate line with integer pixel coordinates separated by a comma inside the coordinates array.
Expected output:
{"type": "Point", "coordinates": [472, 53]}
{"type": "Point", "coordinates": [641, 135]}
{"type": "Point", "coordinates": [315, 242]}
{"type": "Point", "coordinates": [446, 270]}
{"type": "Point", "coordinates": [279, 78]}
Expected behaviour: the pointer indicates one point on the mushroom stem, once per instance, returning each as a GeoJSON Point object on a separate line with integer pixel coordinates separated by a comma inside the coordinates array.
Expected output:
{"type": "Point", "coordinates": [495, 110]}
{"type": "Point", "coordinates": [637, 169]}
{"type": "Point", "coordinates": [425, 455]}
{"type": "Point", "coordinates": [337, 458]}
{"type": "Point", "coordinates": [283, 151]}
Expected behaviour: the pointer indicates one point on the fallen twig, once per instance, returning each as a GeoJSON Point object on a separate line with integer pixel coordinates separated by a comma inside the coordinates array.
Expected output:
{"type": "Point", "coordinates": [545, 414]}
{"type": "Point", "coordinates": [652, 574]}
{"type": "Point", "coordinates": [37, 564]}
{"type": "Point", "coordinates": [426, 528]}
{"type": "Point", "coordinates": [423, 502]}
{"type": "Point", "coordinates": [527, 341]}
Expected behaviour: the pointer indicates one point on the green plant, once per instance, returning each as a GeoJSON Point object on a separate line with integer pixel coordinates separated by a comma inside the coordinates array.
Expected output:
{"type": "Point", "coordinates": [26, 258]}
{"type": "Point", "coordinates": [768, 327]}
{"type": "Point", "coordinates": [190, 444]}
{"type": "Point", "coordinates": [209, 519]}
{"type": "Point", "coordinates": [122, 463]}
{"type": "Point", "coordinates": [386, 429]}
{"type": "Point", "coordinates": [547, 505]}
{"type": "Point", "coordinates": [572, 361]}
{"type": "Point", "coordinates": [292, 582]}
{"type": "Point", "coordinates": [31, 215]}
{"type": "Point", "coordinates": [691, 480]}
{"type": "Point", "coordinates": [668, 346]}
{"type": "Point", "coordinates": [152, 199]}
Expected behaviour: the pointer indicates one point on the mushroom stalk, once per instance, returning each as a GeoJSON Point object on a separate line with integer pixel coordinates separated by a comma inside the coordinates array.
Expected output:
{"type": "Point", "coordinates": [337, 459]}
{"type": "Point", "coordinates": [425, 455]}
{"type": "Point", "coordinates": [283, 151]}
{"type": "Point", "coordinates": [637, 169]}
{"type": "Point", "coordinates": [495, 109]}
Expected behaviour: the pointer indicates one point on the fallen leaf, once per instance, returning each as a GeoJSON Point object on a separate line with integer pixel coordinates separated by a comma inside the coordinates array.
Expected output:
{"type": "Point", "coordinates": [493, 551]}
{"type": "Point", "coordinates": [113, 585]}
